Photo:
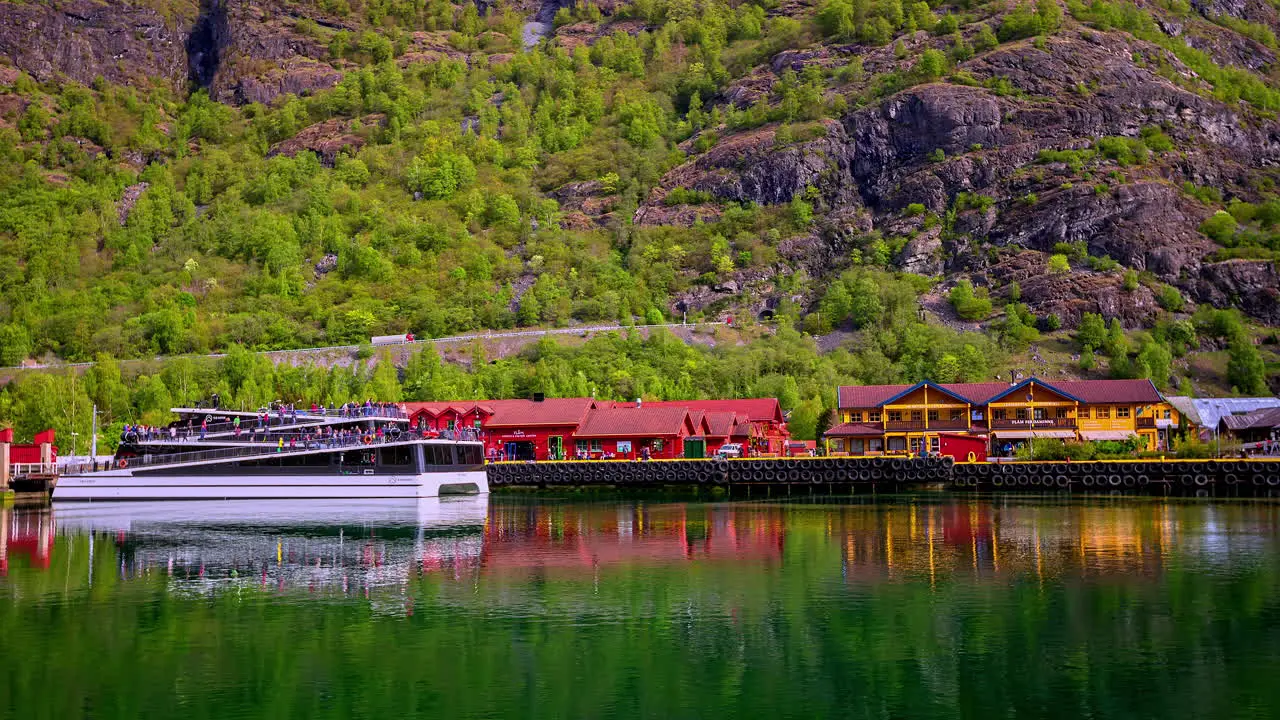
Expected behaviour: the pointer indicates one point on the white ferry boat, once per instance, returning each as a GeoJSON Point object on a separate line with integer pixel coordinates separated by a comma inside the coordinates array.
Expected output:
{"type": "Point", "coordinates": [355, 453]}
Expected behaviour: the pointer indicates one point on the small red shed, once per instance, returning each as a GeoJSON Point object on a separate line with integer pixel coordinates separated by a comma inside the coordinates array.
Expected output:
{"type": "Point", "coordinates": [963, 447]}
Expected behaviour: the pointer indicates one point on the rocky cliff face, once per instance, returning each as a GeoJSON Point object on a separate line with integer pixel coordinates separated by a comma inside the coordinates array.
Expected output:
{"type": "Point", "coordinates": [1074, 88]}
{"type": "Point", "coordinates": [84, 39]}
{"type": "Point", "coordinates": [242, 51]}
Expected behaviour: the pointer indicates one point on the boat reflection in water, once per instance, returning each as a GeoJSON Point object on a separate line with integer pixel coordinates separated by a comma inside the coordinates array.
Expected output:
{"type": "Point", "coordinates": [320, 546]}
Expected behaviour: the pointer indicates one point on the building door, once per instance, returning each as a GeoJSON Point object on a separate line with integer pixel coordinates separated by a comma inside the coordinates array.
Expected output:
{"type": "Point", "coordinates": [555, 448]}
{"type": "Point", "coordinates": [695, 448]}
{"type": "Point", "coordinates": [517, 450]}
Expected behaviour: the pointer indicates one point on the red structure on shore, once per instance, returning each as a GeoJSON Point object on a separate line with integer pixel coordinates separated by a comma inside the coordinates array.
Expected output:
{"type": "Point", "coordinates": [584, 428]}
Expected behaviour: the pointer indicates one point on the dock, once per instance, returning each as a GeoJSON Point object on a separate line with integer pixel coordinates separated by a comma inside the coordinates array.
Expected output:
{"type": "Point", "coordinates": [854, 474]}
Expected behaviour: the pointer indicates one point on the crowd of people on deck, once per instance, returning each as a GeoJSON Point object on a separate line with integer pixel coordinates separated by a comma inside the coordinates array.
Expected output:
{"type": "Point", "coordinates": [270, 425]}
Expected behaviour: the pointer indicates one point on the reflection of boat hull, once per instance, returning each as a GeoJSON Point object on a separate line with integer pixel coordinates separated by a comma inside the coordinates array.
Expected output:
{"type": "Point", "coordinates": [425, 513]}
{"type": "Point", "coordinates": [124, 485]}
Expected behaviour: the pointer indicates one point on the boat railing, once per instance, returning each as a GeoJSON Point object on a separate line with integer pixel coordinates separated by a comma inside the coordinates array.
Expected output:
{"type": "Point", "coordinates": [247, 450]}
{"type": "Point", "coordinates": [297, 419]}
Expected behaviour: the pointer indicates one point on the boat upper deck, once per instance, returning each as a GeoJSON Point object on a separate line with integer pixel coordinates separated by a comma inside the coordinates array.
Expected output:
{"type": "Point", "coordinates": [222, 423]}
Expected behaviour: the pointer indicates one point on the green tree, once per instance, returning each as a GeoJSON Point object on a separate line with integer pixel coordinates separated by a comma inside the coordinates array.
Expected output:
{"type": "Point", "coordinates": [385, 383]}
{"type": "Point", "coordinates": [836, 304]}
{"type": "Point", "coordinates": [1116, 345]}
{"type": "Point", "coordinates": [969, 304]}
{"type": "Point", "coordinates": [985, 39]}
{"type": "Point", "coordinates": [1246, 371]}
{"type": "Point", "coordinates": [106, 389]}
{"type": "Point", "coordinates": [1156, 359]}
{"type": "Point", "coordinates": [1130, 282]}
{"type": "Point", "coordinates": [441, 174]}
{"type": "Point", "coordinates": [15, 344]}
{"type": "Point", "coordinates": [1220, 226]}
{"type": "Point", "coordinates": [1092, 332]}
{"type": "Point", "coordinates": [530, 310]}
{"type": "Point", "coordinates": [932, 65]}
{"type": "Point", "coordinates": [865, 308]}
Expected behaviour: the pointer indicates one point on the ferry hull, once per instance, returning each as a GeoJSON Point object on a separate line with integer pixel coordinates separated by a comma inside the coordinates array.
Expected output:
{"type": "Point", "coordinates": [123, 485]}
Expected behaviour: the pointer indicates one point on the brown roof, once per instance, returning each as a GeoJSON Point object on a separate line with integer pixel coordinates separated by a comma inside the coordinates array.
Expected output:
{"type": "Point", "coordinates": [865, 396]}
{"type": "Point", "coordinates": [757, 409]}
{"type": "Point", "coordinates": [854, 429]}
{"type": "Point", "coordinates": [977, 393]}
{"type": "Point", "coordinates": [636, 422]}
{"type": "Point", "coordinates": [1110, 391]}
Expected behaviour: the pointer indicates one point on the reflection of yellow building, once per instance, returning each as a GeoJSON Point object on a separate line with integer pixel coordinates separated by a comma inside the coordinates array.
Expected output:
{"type": "Point", "coordinates": [878, 419]}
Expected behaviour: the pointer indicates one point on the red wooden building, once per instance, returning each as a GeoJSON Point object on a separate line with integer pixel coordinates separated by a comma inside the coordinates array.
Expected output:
{"type": "Point", "coordinates": [566, 428]}
{"type": "Point", "coordinates": [23, 453]}
{"type": "Point", "coordinates": [963, 447]}
{"type": "Point", "coordinates": [630, 431]}
{"type": "Point", "coordinates": [759, 424]}
{"type": "Point", "coordinates": [447, 415]}
{"type": "Point", "coordinates": [510, 429]}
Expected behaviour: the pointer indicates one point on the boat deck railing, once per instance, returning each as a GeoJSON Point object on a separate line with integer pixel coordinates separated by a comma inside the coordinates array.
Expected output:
{"type": "Point", "coordinates": [289, 421]}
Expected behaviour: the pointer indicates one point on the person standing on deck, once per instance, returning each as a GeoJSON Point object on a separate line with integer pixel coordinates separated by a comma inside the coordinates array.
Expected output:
{"type": "Point", "coordinates": [204, 428]}
{"type": "Point", "coordinates": [236, 422]}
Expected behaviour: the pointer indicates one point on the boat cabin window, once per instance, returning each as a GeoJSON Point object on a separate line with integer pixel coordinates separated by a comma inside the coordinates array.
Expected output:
{"type": "Point", "coordinates": [438, 454]}
{"type": "Point", "coordinates": [398, 456]}
{"type": "Point", "coordinates": [470, 455]}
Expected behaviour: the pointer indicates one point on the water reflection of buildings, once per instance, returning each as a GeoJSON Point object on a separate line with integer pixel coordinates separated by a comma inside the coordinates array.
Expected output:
{"type": "Point", "coordinates": [539, 538]}
{"type": "Point", "coordinates": [353, 547]}
{"type": "Point", "coordinates": [979, 539]}
{"type": "Point", "coordinates": [26, 534]}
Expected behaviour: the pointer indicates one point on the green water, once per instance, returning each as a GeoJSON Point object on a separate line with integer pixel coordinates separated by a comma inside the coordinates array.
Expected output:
{"type": "Point", "coordinates": [513, 608]}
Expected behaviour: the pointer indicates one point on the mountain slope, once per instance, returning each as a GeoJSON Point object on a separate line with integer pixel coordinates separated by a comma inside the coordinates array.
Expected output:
{"type": "Point", "coordinates": [180, 177]}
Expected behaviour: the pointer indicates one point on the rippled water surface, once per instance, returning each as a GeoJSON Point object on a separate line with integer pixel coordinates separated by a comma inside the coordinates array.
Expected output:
{"type": "Point", "coordinates": [510, 607]}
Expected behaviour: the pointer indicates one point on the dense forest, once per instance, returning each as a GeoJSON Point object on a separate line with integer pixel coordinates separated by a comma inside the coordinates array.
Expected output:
{"type": "Point", "coordinates": [453, 171]}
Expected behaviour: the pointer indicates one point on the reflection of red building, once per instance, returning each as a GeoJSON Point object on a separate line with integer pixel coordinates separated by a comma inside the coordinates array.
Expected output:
{"type": "Point", "coordinates": [537, 539]}
{"type": "Point", "coordinates": [29, 534]}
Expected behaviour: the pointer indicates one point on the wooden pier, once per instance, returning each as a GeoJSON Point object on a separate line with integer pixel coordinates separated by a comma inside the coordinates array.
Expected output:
{"type": "Point", "coordinates": [887, 473]}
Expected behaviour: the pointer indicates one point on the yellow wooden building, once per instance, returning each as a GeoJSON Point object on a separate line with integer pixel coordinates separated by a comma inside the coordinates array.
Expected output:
{"type": "Point", "coordinates": [901, 419]}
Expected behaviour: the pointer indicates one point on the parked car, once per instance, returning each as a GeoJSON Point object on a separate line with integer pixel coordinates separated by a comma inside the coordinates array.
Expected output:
{"type": "Point", "coordinates": [730, 450]}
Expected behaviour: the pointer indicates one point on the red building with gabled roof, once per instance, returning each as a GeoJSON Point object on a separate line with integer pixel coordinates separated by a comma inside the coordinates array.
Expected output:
{"type": "Point", "coordinates": [566, 428]}
{"type": "Point", "coordinates": [628, 431]}
{"type": "Point", "coordinates": [760, 425]}
{"type": "Point", "coordinates": [447, 415]}
{"type": "Point", "coordinates": [511, 429]}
